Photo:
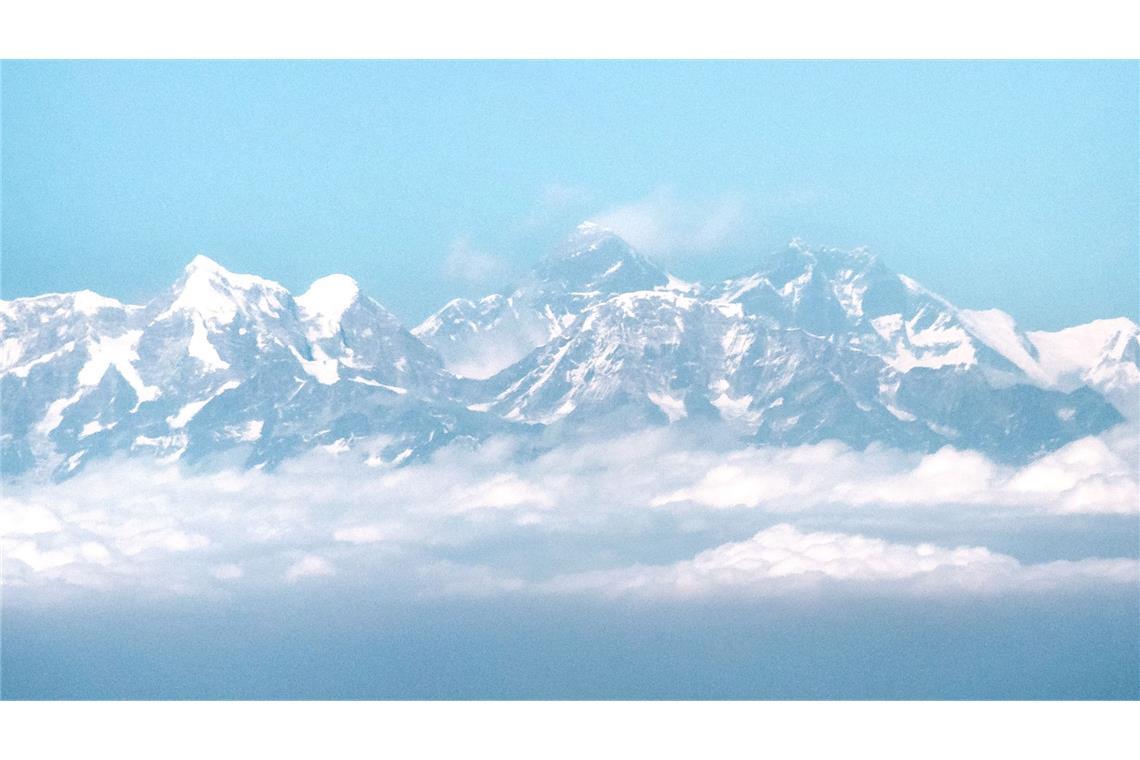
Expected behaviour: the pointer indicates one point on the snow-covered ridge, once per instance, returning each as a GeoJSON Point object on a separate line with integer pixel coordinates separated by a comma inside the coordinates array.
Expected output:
{"type": "Point", "coordinates": [814, 344]}
{"type": "Point", "coordinates": [205, 365]}
{"type": "Point", "coordinates": [85, 302]}
{"type": "Point", "coordinates": [218, 295]}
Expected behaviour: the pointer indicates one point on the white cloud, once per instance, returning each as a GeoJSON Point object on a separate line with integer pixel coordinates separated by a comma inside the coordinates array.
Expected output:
{"type": "Point", "coordinates": [505, 490]}
{"type": "Point", "coordinates": [162, 538]}
{"type": "Point", "coordinates": [473, 515]}
{"type": "Point", "coordinates": [468, 264]}
{"type": "Point", "coordinates": [307, 566]}
{"type": "Point", "coordinates": [556, 203]}
{"type": "Point", "coordinates": [772, 557]}
{"type": "Point", "coordinates": [27, 518]}
{"type": "Point", "coordinates": [662, 225]}
{"type": "Point", "coordinates": [1085, 476]}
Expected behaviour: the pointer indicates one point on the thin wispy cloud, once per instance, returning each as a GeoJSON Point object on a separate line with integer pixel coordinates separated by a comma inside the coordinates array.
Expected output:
{"type": "Point", "coordinates": [473, 266]}
{"type": "Point", "coordinates": [666, 226]}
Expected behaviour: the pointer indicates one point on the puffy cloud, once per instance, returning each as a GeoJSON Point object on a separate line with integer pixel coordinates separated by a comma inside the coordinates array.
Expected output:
{"type": "Point", "coordinates": [772, 558]}
{"type": "Point", "coordinates": [487, 516]}
{"type": "Point", "coordinates": [307, 566]}
{"type": "Point", "coordinates": [1086, 476]}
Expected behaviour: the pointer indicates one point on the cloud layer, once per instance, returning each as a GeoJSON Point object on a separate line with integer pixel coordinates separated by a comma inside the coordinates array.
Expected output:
{"type": "Point", "coordinates": [1087, 476]}
{"type": "Point", "coordinates": [656, 511]}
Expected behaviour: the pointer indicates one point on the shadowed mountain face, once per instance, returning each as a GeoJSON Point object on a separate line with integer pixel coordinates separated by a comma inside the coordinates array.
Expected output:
{"type": "Point", "coordinates": [815, 344]}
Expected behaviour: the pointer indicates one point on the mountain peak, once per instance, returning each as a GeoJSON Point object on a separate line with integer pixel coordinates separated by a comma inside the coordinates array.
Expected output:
{"type": "Point", "coordinates": [595, 258]}
{"type": "Point", "coordinates": [337, 287]}
{"type": "Point", "coordinates": [326, 301]}
{"type": "Point", "coordinates": [202, 267]}
{"type": "Point", "coordinates": [213, 292]}
{"type": "Point", "coordinates": [203, 263]}
{"type": "Point", "coordinates": [587, 227]}
{"type": "Point", "coordinates": [588, 230]}
{"type": "Point", "coordinates": [589, 237]}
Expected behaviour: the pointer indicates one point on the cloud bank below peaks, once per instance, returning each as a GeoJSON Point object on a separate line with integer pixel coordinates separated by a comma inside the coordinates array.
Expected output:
{"type": "Point", "coordinates": [783, 558]}
{"type": "Point", "coordinates": [654, 511]}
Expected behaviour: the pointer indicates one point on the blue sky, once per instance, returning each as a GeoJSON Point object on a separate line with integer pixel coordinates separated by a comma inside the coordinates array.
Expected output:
{"type": "Point", "coordinates": [998, 184]}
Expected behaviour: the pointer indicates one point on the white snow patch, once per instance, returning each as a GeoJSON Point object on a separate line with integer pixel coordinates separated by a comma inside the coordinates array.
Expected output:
{"type": "Point", "coordinates": [325, 302]}
{"type": "Point", "coordinates": [850, 294]}
{"type": "Point", "coordinates": [55, 412]}
{"type": "Point", "coordinates": [187, 412]}
{"type": "Point", "coordinates": [323, 368]}
{"type": "Point", "coordinates": [736, 341]}
{"type": "Point", "coordinates": [941, 344]}
{"type": "Point", "coordinates": [888, 325]}
{"type": "Point", "coordinates": [252, 430]}
{"type": "Point", "coordinates": [201, 349]}
{"type": "Point", "coordinates": [119, 352]}
{"type": "Point", "coordinates": [910, 284]}
{"type": "Point", "coordinates": [93, 427]}
{"type": "Point", "coordinates": [612, 269]}
{"type": "Point", "coordinates": [679, 285]}
{"type": "Point", "coordinates": [735, 408]}
{"type": "Point", "coordinates": [1065, 355]}
{"type": "Point", "coordinates": [901, 414]}
{"type": "Point", "coordinates": [998, 330]}
{"type": "Point", "coordinates": [737, 288]}
{"type": "Point", "coordinates": [88, 302]}
{"type": "Point", "coordinates": [10, 352]}
{"type": "Point", "coordinates": [13, 350]}
{"type": "Point", "coordinates": [399, 391]}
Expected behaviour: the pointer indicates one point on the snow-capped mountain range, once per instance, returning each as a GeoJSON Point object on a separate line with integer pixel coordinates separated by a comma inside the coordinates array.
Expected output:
{"type": "Point", "coordinates": [814, 344]}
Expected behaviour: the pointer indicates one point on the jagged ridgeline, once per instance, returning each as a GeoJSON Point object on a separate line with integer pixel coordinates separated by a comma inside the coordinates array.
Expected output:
{"type": "Point", "coordinates": [815, 344]}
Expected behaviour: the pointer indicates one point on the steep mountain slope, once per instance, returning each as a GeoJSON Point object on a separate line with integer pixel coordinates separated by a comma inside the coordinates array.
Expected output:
{"type": "Point", "coordinates": [643, 349]}
{"type": "Point", "coordinates": [480, 338]}
{"type": "Point", "coordinates": [222, 364]}
{"type": "Point", "coordinates": [813, 344]}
